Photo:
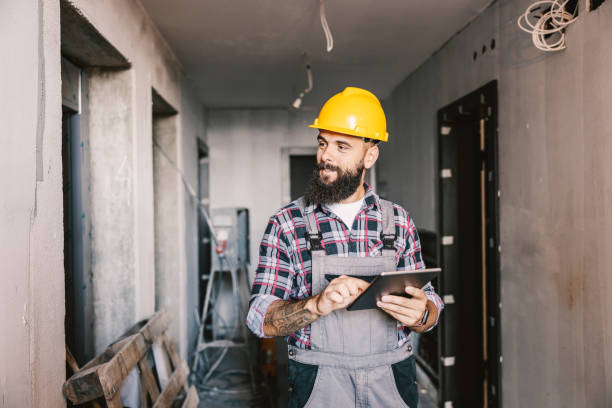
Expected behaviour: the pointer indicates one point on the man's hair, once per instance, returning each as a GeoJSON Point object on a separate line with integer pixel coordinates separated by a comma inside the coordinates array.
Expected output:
{"type": "Point", "coordinates": [368, 140]}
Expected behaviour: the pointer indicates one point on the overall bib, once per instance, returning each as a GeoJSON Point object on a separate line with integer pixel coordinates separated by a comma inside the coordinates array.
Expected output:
{"type": "Point", "coordinates": [354, 360]}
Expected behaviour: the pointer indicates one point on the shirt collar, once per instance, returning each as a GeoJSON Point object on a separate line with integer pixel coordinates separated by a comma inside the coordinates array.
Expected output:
{"type": "Point", "coordinates": [370, 199]}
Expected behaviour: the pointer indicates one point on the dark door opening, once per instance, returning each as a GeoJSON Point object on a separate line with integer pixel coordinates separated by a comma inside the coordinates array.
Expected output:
{"type": "Point", "coordinates": [204, 239]}
{"type": "Point", "coordinates": [469, 255]}
{"type": "Point", "coordinates": [78, 282]}
{"type": "Point", "coordinates": [300, 172]}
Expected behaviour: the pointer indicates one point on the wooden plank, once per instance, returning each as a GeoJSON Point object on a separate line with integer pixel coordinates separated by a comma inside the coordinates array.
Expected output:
{"type": "Point", "coordinates": [148, 379]}
{"type": "Point", "coordinates": [84, 386]}
{"type": "Point", "coordinates": [156, 325]}
{"type": "Point", "coordinates": [192, 400]}
{"type": "Point", "coordinates": [114, 401]}
{"type": "Point", "coordinates": [114, 372]}
{"type": "Point", "coordinates": [171, 350]}
{"type": "Point", "coordinates": [176, 383]}
{"type": "Point", "coordinates": [72, 363]}
{"type": "Point", "coordinates": [162, 363]}
{"type": "Point", "coordinates": [105, 379]}
{"type": "Point", "coordinates": [103, 375]}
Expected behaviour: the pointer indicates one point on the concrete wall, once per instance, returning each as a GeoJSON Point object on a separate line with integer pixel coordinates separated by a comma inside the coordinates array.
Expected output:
{"type": "Point", "coordinates": [555, 141]}
{"type": "Point", "coordinates": [246, 162]}
{"type": "Point", "coordinates": [31, 217]}
{"type": "Point", "coordinates": [31, 232]}
{"type": "Point", "coordinates": [130, 30]}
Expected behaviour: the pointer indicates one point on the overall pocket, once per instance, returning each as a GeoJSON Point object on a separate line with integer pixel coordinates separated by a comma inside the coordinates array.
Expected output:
{"type": "Point", "coordinates": [301, 382]}
{"type": "Point", "coordinates": [404, 374]}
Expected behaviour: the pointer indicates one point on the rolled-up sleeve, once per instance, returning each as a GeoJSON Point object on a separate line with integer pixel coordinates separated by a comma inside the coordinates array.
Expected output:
{"type": "Point", "coordinates": [412, 259]}
{"type": "Point", "coordinates": [273, 278]}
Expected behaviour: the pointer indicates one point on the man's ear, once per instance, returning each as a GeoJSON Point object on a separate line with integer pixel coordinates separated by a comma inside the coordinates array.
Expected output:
{"type": "Point", "coordinates": [371, 156]}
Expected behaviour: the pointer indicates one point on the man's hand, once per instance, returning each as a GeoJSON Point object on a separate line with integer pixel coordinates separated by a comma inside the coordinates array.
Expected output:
{"type": "Point", "coordinates": [338, 294]}
{"type": "Point", "coordinates": [408, 311]}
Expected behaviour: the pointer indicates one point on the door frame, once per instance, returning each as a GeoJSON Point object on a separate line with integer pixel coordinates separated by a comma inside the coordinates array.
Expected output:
{"type": "Point", "coordinates": [481, 104]}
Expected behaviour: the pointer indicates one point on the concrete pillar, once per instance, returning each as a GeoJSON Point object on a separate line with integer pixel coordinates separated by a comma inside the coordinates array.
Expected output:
{"type": "Point", "coordinates": [170, 267]}
{"type": "Point", "coordinates": [110, 122]}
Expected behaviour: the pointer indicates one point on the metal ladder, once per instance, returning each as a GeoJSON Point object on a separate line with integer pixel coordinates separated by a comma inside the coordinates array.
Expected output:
{"type": "Point", "coordinates": [203, 344]}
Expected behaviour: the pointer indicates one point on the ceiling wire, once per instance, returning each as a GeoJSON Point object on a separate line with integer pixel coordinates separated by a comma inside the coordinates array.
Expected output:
{"type": "Point", "coordinates": [328, 35]}
{"type": "Point", "coordinates": [298, 101]}
{"type": "Point", "coordinates": [546, 21]}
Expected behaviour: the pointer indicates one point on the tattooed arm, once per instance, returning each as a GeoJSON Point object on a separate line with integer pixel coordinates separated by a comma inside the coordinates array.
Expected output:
{"type": "Point", "coordinates": [287, 317]}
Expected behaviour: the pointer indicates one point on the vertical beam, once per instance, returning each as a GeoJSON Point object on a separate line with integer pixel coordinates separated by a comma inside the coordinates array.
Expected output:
{"type": "Point", "coordinates": [110, 122]}
{"type": "Point", "coordinates": [170, 270]}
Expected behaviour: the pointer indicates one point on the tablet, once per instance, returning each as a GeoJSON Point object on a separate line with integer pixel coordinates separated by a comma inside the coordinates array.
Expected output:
{"type": "Point", "coordinates": [392, 283]}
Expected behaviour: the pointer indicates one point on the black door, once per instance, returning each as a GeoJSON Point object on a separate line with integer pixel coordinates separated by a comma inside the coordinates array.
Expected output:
{"type": "Point", "coordinates": [469, 255]}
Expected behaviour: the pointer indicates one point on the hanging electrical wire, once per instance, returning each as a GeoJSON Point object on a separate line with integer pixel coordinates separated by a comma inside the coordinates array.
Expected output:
{"type": "Point", "coordinates": [546, 21]}
{"type": "Point", "coordinates": [328, 35]}
{"type": "Point", "coordinates": [298, 101]}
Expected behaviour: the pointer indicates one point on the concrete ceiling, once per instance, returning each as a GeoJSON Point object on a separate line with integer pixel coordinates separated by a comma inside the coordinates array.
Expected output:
{"type": "Point", "coordinates": [249, 53]}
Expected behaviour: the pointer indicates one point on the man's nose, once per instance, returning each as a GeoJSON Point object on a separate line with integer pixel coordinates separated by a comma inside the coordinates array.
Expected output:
{"type": "Point", "coordinates": [326, 156]}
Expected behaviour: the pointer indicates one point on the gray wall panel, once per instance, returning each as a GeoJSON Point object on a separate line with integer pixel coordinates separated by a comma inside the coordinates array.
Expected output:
{"type": "Point", "coordinates": [555, 176]}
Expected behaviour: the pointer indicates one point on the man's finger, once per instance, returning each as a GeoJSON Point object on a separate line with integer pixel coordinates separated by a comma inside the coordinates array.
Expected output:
{"type": "Point", "coordinates": [353, 287]}
{"type": "Point", "coordinates": [335, 297]}
{"type": "Point", "coordinates": [416, 292]}
{"type": "Point", "coordinates": [403, 301]}
{"type": "Point", "coordinates": [360, 283]}
{"type": "Point", "coordinates": [343, 290]}
{"type": "Point", "coordinates": [410, 313]}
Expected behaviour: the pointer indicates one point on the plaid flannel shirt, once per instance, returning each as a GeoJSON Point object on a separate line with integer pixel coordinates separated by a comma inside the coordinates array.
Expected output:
{"type": "Point", "coordinates": [284, 269]}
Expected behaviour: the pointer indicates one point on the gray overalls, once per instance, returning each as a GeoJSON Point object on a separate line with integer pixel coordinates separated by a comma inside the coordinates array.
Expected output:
{"type": "Point", "coordinates": [354, 360]}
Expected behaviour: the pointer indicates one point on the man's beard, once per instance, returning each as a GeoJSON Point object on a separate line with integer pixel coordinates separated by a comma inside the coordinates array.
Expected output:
{"type": "Point", "coordinates": [345, 184]}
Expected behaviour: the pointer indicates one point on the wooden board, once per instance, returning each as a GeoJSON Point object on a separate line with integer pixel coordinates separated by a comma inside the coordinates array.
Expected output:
{"type": "Point", "coordinates": [103, 376]}
{"type": "Point", "coordinates": [156, 325]}
{"type": "Point", "coordinates": [148, 379]}
{"type": "Point", "coordinates": [192, 400]}
{"type": "Point", "coordinates": [174, 386]}
{"type": "Point", "coordinates": [105, 379]}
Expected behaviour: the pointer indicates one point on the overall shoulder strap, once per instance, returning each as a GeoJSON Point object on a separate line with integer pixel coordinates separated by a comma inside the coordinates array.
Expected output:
{"type": "Point", "coordinates": [313, 236]}
{"type": "Point", "coordinates": [388, 235]}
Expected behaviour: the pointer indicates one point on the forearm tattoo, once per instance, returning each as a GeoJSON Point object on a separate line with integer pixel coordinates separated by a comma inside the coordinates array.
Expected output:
{"type": "Point", "coordinates": [287, 317]}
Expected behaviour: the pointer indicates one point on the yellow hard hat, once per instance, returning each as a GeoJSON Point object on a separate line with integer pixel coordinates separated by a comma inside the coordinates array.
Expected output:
{"type": "Point", "coordinates": [354, 112]}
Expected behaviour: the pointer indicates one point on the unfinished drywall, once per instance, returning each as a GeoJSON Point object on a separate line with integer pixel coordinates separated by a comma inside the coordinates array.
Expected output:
{"type": "Point", "coordinates": [555, 140]}
{"type": "Point", "coordinates": [31, 241]}
{"type": "Point", "coordinates": [245, 160]}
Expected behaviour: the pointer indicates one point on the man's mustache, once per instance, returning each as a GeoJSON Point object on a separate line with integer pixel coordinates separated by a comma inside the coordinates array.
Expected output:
{"type": "Point", "coordinates": [327, 166]}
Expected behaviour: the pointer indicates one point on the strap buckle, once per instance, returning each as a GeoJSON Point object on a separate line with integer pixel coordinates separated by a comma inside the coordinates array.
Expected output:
{"type": "Point", "coordinates": [315, 241]}
{"type": "Point", "coordinates": [388, 241]}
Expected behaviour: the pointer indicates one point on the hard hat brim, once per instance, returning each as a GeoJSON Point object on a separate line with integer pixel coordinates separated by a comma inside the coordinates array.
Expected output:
{"type": "Point", "coordinates": [349, 132]}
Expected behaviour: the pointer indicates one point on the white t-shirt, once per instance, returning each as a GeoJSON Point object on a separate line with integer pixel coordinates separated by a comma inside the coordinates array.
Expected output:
{"type": "Point", "coordinates": [347, 212]}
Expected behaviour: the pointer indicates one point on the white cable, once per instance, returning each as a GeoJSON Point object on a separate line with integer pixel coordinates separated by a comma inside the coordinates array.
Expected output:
{"type": "Point", "coordinates": [328, 35]}
{"type": "Point", "coordinates": [298, 101]}
{"type": "Point", "coordinates": [548, 28]}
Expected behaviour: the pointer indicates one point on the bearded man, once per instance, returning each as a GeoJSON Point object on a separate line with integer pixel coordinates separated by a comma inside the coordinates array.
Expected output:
{"type": "Point", "coordinates": [318, 254]}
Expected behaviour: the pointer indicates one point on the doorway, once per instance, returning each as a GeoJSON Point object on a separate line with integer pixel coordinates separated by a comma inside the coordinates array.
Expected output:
{"type": "Point", "coordinates": [300, 172]}
{"type": "Point", "coordinates": [469, 250]}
